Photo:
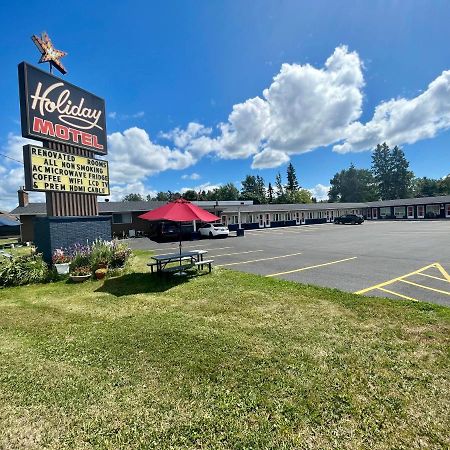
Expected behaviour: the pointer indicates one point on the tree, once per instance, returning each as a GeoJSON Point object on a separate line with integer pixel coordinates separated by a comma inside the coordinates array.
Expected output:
{"type": "Point", "coordinates": [270, 193]}
{"type": "Point", "coordinates": [292, 182]}
{"type": "Point", "coordinates": [133, 198]}
{"type": "Point", "coordinates": [426, 187]}
{"type": "Point", "coordinates": [401, 175]}
{"type": "Point", "coordinates": [352, 185]}
{"type": "Point", "coordinates": [298, 196]}
{"type": "Point", "coordinates": [190, 195]}
{"type": "Point", "coordinates": [391, 172]}
{"type": "Point", "coordinates": [444, 186]}
{"type": "Point", "coordinates": [249, 189]}
{"type": "Point", "coordinates": [161, 197]}
{"type": "Point", "coordinates": [381, 169]}
{"type": "Point", "coordinates": [253, 188]}
{"type": "Point", "coordinates": [279, 189]}
{"type": "Point", "coordinates": [260, 189]}
{"type": "Point", "coordinates": [226, 192]}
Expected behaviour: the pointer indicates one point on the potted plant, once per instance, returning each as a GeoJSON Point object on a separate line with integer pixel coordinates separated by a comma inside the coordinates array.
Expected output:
{"type": "Point", "coordinates": [101, 273]}
{"type": "Point", "coordinates": [101, 255]}
{"type": "Point", "coordinates": [61, 260]}
{"type": "Point", "coordinates": [80, 266]}
{"type": "Point", "coordinates": [80, 274]}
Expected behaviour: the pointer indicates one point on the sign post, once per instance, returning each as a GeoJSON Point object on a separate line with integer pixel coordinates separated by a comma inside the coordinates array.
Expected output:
{"type": "Point", "coordinates": [71, 123]}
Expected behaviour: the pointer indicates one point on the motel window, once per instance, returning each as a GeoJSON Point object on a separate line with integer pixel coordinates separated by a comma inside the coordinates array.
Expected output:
{"type": "Point", "coordinates": [288, 216]}
{"type": "Point", "coordinates": [385, 212]}
{"type": "Point", "coordinates": [420, 212]}
{"type": "Point", "coordinates": [310, 215]}
{"type": "Point", "coordinates": [121, 218]}
{"type": "Point", "coordinates": [320, 214]}
{"type": "Point", "coordinates": [234, 219]}
{"type": "Point", "coordinates": [433, 210]}
{"type": "Point", "coordinates": [447, 210]}
{"type": "Point", "coordinates": [399, 212]}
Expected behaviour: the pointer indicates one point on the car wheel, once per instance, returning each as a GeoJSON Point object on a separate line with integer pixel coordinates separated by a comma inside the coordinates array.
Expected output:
{"type": "Point", "coordinates": [353, 222]}
{"type": "Point", "coordinates": [210, 234]}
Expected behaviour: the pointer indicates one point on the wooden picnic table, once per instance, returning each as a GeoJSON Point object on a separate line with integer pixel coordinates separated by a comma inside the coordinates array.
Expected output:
{"type": "Point", "coordinates": [161, 261]}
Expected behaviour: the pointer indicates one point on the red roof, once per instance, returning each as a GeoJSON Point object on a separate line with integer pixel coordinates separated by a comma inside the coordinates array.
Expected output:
{"type": "Point", "coordinates": [179, 210]}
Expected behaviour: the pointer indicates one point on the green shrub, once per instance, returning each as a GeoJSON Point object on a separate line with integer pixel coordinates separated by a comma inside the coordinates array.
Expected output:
{"type": "Point", "coordinates": [101, 254]}
{"type": "Point", "coordinates": [121, 253]}
{"type": "Point", "coordinates": [20, 270]}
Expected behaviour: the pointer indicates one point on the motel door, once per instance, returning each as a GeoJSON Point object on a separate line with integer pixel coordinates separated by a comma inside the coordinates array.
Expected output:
{"type": "Point", "coordinates": [261, 221]}
{"type": "Point", "coordinates": [297, 217]}
{"type": "Point", "coordinates": [374, 213]}
{"type": "Point", "coordinates": [420, 211]}
{"type": "Point", "coordinates": [303, 217]}
{"type": "Point", "coordinates": [328, 215]}
{"type": "Point", "coordinates": [447, 210]}
{"type": "Point", "coordinates": [267, 220]}
{"type": "Point", "coordinates": [410, 212]}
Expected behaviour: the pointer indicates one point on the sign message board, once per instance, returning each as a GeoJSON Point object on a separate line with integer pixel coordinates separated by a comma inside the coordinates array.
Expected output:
{"type": "Point", "coordinates": [54, 110]}
{"type": "Point", "coordinates": [51, 170]}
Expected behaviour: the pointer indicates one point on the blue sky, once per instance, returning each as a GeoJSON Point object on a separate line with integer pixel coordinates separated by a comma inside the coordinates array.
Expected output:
{"type": "Point", "coordinates": [189, 86]}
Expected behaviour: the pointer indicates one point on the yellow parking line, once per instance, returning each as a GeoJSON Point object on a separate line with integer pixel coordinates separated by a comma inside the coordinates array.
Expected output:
{"type": "Point", "coordinates": [397, 294]}
{"type": "Point", "coordinates": [425, 287]}
{"type": "Point", "coordinates": [432, 276]}
{"type": "Point", "coordinates": [237, 253]}
{"type": "Point", "coordinates": [443, 271]}
{"type": "Point", "coordinates": [310, 267]}
{"type": "Point", "coordinates": [386, 283]}
{"type": "Point", "coordinates": [257, 260]}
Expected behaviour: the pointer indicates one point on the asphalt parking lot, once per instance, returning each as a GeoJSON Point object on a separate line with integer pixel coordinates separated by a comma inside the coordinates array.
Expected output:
{"type": "Point", "coordinates": [401, 260]}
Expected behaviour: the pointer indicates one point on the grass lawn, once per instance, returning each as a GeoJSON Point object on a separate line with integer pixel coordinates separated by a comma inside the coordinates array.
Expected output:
{"type": "Point", "coordinates": [221, 361]}
{"type": "Point", "coordinates": [8, 240]}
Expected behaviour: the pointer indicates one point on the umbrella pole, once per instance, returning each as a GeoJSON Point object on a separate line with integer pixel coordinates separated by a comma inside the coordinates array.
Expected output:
{"type": "Point", "coordinates": [179, 232]}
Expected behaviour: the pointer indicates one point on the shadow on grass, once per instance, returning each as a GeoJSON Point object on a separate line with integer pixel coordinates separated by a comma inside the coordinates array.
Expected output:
{"type": "Point", "coordinates": [140, 283]}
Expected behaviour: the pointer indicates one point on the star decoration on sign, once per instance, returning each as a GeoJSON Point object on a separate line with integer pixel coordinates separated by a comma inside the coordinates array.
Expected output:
{"type": "Point", "coordinates": [49, 53]}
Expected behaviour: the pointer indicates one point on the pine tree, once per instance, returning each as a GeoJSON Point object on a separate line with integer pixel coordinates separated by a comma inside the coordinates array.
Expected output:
{"type": "Point", "coordinates": [260, 189]}
{"type": "Point", "coordinates": [382, 171]}
{"type": "Point", "coordinates": [270, 193]}
{"type": "Point", "coordinates": [391, 172]}
{"type": "Point", "coordinates": [401, 175]}
{"type": "Point", "coordinates": [279, 189]}
{"type": "Point", "coordinates": [292, 182]}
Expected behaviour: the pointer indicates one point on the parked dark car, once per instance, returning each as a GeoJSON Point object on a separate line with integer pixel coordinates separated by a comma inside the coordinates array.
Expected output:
{"type": "Point", "coordinates": [350, 218]}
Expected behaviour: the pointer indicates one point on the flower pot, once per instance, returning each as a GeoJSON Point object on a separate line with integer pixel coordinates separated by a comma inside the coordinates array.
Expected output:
{"type": "Point", "coordinates": [80, 278]}
{"type": "Point", "coordinates": [62, 269]}
{"type": "Point", "coordinates": [100, 274]}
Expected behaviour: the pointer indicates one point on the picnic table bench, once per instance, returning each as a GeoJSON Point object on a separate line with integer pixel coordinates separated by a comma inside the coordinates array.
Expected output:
{"type": "Point", "coordinates": [194, 256]}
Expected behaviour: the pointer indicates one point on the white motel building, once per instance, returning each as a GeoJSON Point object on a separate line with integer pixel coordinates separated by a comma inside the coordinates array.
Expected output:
{"type": "Point", "coordinates": [245, 214]}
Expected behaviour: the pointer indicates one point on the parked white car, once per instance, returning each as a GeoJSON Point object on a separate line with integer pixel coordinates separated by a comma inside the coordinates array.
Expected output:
{"type": "Point", "coordinates": [214, 230]}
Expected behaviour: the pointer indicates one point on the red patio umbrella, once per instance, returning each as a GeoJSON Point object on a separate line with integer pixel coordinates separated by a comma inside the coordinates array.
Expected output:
{"type": "Point", "coordinates": [179, 210]}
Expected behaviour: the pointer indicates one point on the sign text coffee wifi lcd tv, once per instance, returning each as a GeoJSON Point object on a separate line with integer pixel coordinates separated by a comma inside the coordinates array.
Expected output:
{"type": "Point", "coordinates": [54, 110]}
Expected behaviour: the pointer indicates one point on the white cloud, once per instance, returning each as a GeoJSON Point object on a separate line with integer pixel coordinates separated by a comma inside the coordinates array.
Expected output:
{"type": "Point", "coordinates": [119, 190]}
{"type": "Point", "coordinates": [11, 171]}
{"type": "Point", "coordinates": [320, 191]}
{"type": "Point", "coordinates": [192, 176]}
{"type": "Point", "coordinates": [402, 121]}
{"type": "Point", "coordinates": [114, 115]}
{"type": "Point", "coordinates": [269, 158]}
{"type": "Point", "coordinates": [181, 138]}
{"type": "Point", "coordinates": [133, 156]}
{"type": "Point", "coordinates": [202, 187]}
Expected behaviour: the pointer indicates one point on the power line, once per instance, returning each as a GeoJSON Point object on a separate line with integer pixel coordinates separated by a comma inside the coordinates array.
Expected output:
{"type": "Point", "coordinates": [9, 157]}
